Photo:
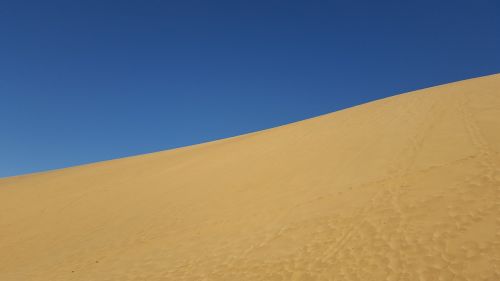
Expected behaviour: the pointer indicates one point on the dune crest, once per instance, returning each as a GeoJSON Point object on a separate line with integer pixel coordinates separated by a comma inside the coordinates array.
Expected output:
{"type": "Point", "coordinates": [403, 188]}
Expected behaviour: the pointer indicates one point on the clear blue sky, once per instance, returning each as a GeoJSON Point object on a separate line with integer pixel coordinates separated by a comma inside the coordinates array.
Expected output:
{"type": "Point", "coordinates": [84, 81]}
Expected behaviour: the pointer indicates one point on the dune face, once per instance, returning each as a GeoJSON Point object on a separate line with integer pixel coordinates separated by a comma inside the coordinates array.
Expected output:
{"type": "Point", "coordinates": [404, 188]}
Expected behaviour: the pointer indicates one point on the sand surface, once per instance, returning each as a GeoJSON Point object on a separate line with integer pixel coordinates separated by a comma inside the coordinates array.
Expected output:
{"type": "Point", "coordinates": [403, 188]}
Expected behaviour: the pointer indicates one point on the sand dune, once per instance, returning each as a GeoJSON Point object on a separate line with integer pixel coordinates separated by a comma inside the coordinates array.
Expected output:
{"type": "Point", "coordinates": [403, 188]}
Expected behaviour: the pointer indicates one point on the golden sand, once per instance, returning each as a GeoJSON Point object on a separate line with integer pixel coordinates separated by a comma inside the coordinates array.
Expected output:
{"type": "Point", "coordinates": [403, 188]}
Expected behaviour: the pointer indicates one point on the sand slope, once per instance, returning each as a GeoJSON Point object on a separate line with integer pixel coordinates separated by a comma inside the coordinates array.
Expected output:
{"type": "Point", "coordinates": [404, 188]}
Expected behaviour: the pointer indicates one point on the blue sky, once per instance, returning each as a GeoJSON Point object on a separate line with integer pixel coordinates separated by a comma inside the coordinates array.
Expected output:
{"type": "Point", "coordinates": [84, 81]}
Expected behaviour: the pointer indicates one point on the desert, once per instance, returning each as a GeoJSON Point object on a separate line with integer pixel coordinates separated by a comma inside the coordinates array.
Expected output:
{"type": "Point", "coordinates": [402, 188]}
